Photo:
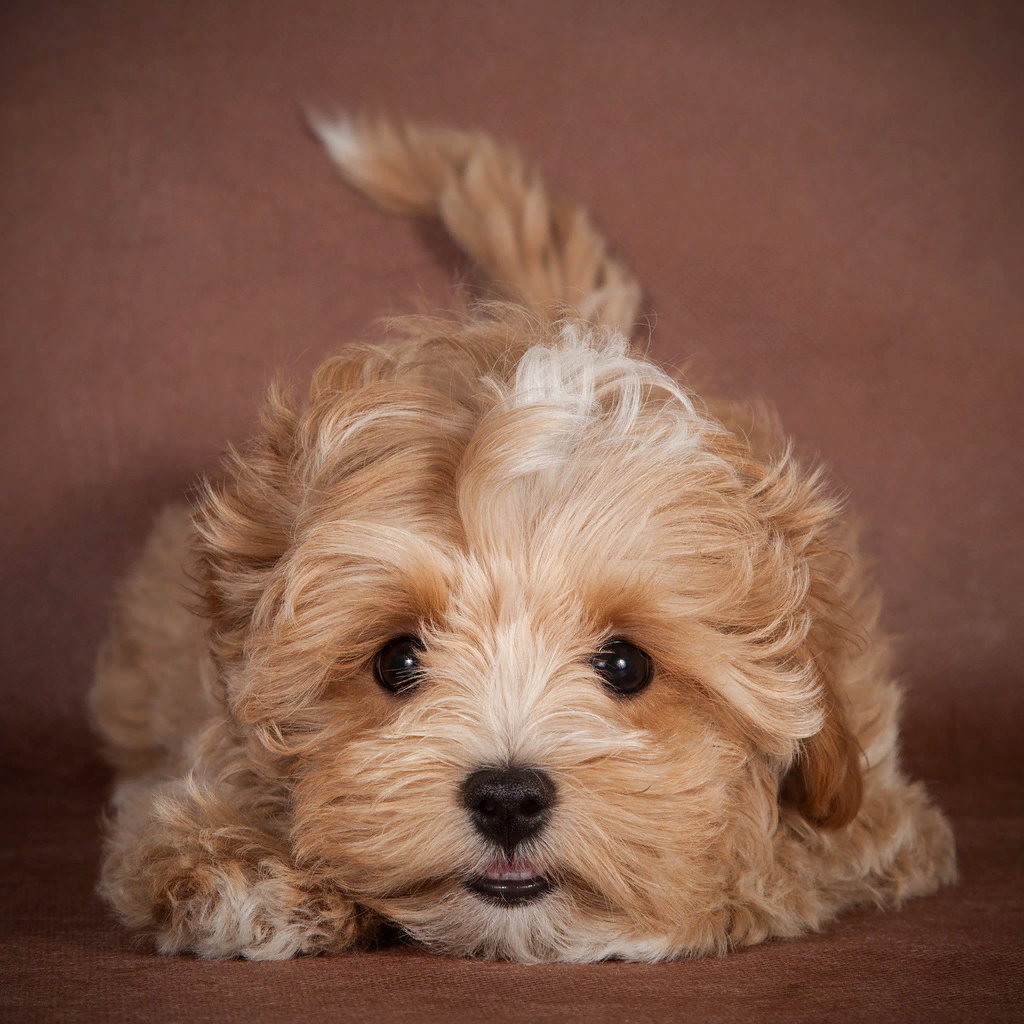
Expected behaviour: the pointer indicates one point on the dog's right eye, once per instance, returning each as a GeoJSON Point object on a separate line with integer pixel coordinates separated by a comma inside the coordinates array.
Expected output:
{"type": "Point", "coordinates": [397, 664]}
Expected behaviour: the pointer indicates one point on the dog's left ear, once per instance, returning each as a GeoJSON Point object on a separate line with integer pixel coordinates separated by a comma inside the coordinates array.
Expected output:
{"type": "Point", "coordinates": [813, 567]}
{"type": "Point", "coordinates": [826, 782]}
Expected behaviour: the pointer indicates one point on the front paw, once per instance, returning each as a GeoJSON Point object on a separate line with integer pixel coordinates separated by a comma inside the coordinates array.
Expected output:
{"type": "Point", "coordinates": [200, 880]}
{"type": "Point", "coordinates": [228, 908]}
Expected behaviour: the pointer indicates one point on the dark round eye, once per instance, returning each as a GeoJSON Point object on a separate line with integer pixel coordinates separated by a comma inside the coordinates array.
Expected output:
{"type": "Point", "coordinates": [397, 664]}
{"type": "Point", "coordinates": [622, 667]}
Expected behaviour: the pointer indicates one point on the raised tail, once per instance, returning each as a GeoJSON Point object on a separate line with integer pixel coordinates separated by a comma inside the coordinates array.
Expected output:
{"type": "Point", "coordinates": [537, 250]}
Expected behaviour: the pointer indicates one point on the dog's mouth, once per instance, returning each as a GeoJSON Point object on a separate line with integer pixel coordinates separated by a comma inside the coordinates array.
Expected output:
{"type": "Point", "coordinates": [509, 881]}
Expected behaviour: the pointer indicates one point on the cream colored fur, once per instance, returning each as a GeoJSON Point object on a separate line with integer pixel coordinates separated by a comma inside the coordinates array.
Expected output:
{"type": "Point", "coordinates": [516, 488]}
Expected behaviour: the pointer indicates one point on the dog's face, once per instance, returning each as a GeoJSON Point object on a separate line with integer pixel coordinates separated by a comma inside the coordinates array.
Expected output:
{"type": "Point", "coordinates": [534, 643]}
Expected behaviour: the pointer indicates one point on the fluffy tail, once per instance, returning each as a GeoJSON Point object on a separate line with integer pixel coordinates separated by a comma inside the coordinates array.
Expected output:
{"type": "Point", "coordinates": [537, 250]}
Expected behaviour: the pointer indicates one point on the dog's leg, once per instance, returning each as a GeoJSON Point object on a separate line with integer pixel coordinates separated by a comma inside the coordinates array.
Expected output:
{"type": "Point", "coordinates": [186, 867]}
{"type": "Point", "coordinates": [901, 842]}
{"type": "Point", "coordinates": [899, 846]}
{"type": "Point", "coordinates": [536, 249]}
{"type": "Point", "coordinates": [196, 858]}
{"type": "Point", "coordinates": [151, 694]}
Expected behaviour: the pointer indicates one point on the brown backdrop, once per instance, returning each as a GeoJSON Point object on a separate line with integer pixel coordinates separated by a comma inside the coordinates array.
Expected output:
{"type": "Point", "coordinates": [825, 201]}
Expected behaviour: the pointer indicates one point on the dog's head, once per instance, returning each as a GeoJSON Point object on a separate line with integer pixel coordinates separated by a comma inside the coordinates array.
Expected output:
{"type": "Point", "coordinates": [539, 646]}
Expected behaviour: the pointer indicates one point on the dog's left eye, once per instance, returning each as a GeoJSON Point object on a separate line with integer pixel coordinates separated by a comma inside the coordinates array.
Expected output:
{"type": "Point", "coordinates": [623, 667]}
{"type": "Point", "coordinates": [396, 666]}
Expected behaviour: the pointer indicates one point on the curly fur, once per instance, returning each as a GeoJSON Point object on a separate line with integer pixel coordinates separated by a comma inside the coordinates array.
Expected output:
{"type": "Point", "coordinates": [515, 488]}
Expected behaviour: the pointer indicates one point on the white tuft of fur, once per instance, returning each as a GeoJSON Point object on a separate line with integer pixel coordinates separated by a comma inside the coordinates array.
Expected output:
{"type": "Point", "coordinates": [568, 373]}
{"type": "Point", "coordinates": [585, 393]}
{"type": "Point", "coordinates": [339, 137]}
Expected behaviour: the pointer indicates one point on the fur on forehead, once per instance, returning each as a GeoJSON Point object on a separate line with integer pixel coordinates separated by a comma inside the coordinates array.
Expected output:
{"type": "Point", "coordinates": [551, 455]}
{"type": "Point", "coordinates": [578, 439]}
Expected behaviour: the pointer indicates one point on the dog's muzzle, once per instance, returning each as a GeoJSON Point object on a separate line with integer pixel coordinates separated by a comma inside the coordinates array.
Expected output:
{"type": "Point", "coordinates": [509, 806]}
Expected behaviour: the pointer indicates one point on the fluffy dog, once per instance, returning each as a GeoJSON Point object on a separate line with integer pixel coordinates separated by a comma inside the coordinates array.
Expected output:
{"type": "Point", "coordinates": [504, 639]}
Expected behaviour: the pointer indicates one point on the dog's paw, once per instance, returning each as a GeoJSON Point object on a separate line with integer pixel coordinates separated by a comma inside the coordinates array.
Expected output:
{"type": "Point", "coordinates": [230, 908]}
{"type": "Point", "coordinates": [198, 878]}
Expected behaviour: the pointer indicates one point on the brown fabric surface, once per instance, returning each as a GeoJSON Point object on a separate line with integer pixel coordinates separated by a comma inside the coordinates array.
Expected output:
{"type": "Point", "coordinates": [823, 200]}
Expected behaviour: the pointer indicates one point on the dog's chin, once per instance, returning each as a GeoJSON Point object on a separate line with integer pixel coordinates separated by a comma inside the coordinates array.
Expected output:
{"type": "Point", "coordinates": [509, 881]}
{"type": "Point", "coordinates": [511, 910]}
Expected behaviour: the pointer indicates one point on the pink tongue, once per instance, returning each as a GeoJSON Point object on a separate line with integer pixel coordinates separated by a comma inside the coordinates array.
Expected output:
{"type": "Point", "coordinates": [505, 870]}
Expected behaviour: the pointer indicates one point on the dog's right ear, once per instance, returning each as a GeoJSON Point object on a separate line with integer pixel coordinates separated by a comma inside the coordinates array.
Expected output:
{"type": "Point", "coordinates": [243, 521]}
{"type": "Point", "coordinates": [247, 516]}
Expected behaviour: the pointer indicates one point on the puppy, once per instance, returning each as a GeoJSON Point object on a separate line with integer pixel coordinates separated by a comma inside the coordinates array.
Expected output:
{"type": "Point", "coordinates": [504, 639]}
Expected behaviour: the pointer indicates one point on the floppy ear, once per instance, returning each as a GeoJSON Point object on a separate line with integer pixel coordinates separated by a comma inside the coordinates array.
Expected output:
{"type": "Point", "coordinates": [815, 579]}
{"type": "Point", "coordinates": [245, 518]}
{"type": "Point", "coordinates": [370, 431]}
{"type": "Point", "coordinates": [826, 782]}
{"type": "Point", "coordinates": [242, 525]}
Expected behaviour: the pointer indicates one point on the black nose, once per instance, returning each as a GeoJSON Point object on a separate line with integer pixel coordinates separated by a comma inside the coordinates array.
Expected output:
{"type": "Point", "coordinates": [508, 805]}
